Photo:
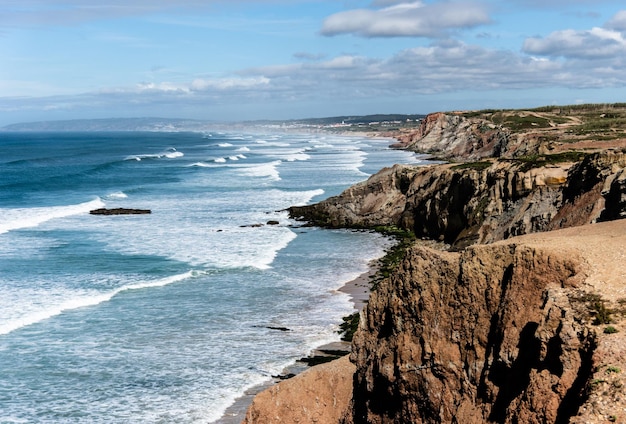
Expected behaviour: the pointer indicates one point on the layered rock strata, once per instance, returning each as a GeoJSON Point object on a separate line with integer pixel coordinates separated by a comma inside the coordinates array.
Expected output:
{"type": "Point", "coordinates": [452, 136]}
{"type": "Point", "coordinates": [522, 321]}
{"type": "Point", "coordinates": [498, 333]}
{"type": "Point", "coordinates": [480, 203]}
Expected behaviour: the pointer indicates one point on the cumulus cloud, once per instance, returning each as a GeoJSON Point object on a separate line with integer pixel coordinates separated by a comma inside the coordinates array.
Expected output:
{"type": "Point", "coordinates": [618, 22]}
{"type": "Point", "coordinates": [441, 67]}
{"type": "Point", "coordinates": [407, 19]}
{"type": "Point", "coordinates": [595, 43]}
{"type": "Point", "coordinates": [444, 66]}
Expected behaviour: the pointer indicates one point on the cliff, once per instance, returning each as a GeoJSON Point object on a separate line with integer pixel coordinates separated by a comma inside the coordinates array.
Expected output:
{"type": "Point", "coordinates": [481, 202]}
{"type": "Point", "coordinates": [528, 330]}
{"type": "Point", "coordinates": [497, 333]}
{"type": "Point", "coordinates": [521, 317]}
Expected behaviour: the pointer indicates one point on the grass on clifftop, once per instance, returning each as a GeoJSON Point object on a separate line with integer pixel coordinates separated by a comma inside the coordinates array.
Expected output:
{"type": "Point", "coordinates": [537, 161]}
{"type": "Point", "coordinates": [595, 122]}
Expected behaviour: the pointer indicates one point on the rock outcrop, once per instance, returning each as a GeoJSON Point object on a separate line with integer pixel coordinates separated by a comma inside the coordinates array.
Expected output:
{"type": "Point", "coordinates": [497, 333]}
{"type": "Point", "coordinates": [452, 136]}
{"type": "Point", "coordinates": [321, 394]}
{"type": "Point", "coordinates": [521, 321]}
{"type": "Point", "coordinates": [480, 202]}
{"type": "Point", "coordinates": [120, 211]}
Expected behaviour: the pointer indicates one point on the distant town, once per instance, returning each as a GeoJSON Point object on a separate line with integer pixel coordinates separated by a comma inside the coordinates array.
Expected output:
{"type": "Point", "coordinates": [342, 124]}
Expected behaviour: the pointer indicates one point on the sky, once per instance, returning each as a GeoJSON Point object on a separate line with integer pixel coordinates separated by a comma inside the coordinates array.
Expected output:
{"type": "Point", "coordinates": [233, 60]}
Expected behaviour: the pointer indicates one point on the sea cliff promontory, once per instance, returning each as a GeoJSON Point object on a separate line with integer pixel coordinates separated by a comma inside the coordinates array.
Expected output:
{"type": "Point", "coordinates": [519, 317]}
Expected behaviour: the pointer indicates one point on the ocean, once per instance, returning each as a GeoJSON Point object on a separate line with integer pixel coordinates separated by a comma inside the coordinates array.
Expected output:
{"type": "Point", "coordinates": [167, 317]}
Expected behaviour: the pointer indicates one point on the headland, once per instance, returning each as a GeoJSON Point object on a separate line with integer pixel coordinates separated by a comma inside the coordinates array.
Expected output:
{"type": "Point", "coordinates": [522, 318]}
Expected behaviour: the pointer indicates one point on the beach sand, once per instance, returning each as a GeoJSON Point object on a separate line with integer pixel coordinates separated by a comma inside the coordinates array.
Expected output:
{"type": "Point", "coordinates": [359, 291]}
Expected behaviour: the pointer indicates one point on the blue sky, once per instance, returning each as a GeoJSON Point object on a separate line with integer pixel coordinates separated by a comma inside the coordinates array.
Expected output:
{"type": "Point", "coordinates": [271, 59]}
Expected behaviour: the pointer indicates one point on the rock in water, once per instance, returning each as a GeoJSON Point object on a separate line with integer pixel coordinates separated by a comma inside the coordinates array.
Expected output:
{"type": "Point", "coordinates": [120, 211]}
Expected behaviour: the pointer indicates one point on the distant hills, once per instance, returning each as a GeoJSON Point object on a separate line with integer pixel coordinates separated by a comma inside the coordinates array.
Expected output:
{"type": "Point", "coordinates": [111, 124]}
{"type": "Point", "coordinates": [170, 124]}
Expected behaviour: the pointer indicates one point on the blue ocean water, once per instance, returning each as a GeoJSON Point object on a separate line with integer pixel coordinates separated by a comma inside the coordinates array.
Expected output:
{"type": "Point", "coordinates": [164, 317]}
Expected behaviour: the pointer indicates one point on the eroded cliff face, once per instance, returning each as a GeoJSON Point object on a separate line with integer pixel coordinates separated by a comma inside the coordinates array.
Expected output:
{"type": "Point", "coordinates": [487, 335]}
{"type": "Point", "coordinates": [467, 204]}
{"type": "Point", "coordinates": [453, 136]}
{"type": "Point", "coordinates": [499, 328]}
{"type": "Point", "coordinates": [499, 333]}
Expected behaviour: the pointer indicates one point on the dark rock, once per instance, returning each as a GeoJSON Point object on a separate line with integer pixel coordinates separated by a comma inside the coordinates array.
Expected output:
{"type": "Point", "coordinates": [120, 211]}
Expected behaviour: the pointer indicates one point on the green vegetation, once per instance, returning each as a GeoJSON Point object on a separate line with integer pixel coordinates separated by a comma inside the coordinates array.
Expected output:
{"type": "Point", "coordinates": [596, 307]}
{"type": "Point", "coordinates": [479, 166]}
{"type": "Point", "coordinates": [610, 330]}
{"type": "Point", "coordinates": [393, 256]}
{"type": "Point", "coordinates": [587, 107]}
{"type": "Point", "coordinates": [517, 123]}
{"type": "Point", "coordinates": [593, 122]}
{"type": "Point", "coordinates": [386, 265]}
{"type": "Point", "coordinates": [602, 313]}
{"type": "Point", "coordinates": [611, 369]}
{"type": "Point", "coordinates": [537, 161]}
{"type": "Point", "coordinates": [348, 327]}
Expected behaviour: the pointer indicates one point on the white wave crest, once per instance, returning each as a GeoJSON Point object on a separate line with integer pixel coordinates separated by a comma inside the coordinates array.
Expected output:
{"type": "Point", "coordinates": [170, 153]}
{"type": "Point", "coordinates": [85, 300]}
{"type": "Point", "coordinates": [200, 165]}
{"type": "Point", "coordinates": [219, 160]}
{"type": "Point", "coordinates": [243, 149]}
{"type": "Point", "coordinates": [15, 219]}
{"type": "Point", "coordinates": [117, 195]}
{"type": "Point", "coordinates": [225, 145]}
{"type": "Point", "coordinates": [264, 170]}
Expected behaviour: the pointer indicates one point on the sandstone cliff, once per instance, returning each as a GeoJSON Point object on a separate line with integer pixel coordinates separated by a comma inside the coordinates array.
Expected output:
{"type": "Point", "coordinates": [500, 333]}
{"type": "Point", "coordinates": [497, 333]}
{"type": "Point", "coordinates": [453, 136]}
{"type": "Point", "coordinates": [321, 394]}
{"type": "Point", "coordinates": [481, 202]}
{"type": "Point", "coordinates": [516, 133]}
{"type": "Point", "coordinates": [522, 321]}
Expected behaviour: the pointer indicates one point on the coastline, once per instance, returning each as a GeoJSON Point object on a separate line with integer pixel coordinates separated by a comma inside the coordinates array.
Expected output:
{"type": "Point", "coordinates": [359, 290]}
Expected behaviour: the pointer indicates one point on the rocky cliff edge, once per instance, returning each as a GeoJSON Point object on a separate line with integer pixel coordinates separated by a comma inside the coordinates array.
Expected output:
{"type": "Point", "coordinates": [521, 321]}
{"type": "Point", "coordinates": [528, 330]}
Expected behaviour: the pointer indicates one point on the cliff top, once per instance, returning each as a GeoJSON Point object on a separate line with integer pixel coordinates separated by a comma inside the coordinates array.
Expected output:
{"type": "Point", "coordinates": [600, 247]}
{"type": "Point", "coordinates": [471, 135]}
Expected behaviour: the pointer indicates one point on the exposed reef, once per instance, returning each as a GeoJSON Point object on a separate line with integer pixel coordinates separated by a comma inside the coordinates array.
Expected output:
{"type": "Point", "coordinates": [120, 211]}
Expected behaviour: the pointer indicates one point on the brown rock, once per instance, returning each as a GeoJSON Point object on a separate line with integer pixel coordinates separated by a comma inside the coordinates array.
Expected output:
{"type": "Point", "coordinates": [464, 204]}
{"type": "Point", "coordinates": [497, 333]}
{"type": "Point", "coordinates": [319, 395]}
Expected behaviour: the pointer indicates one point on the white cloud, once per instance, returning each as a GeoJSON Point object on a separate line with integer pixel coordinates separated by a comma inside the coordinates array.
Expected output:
{"type": "Point", "coordinates": [618, 22]}
{"type": "Point", "coordinates": [229, 83]}
{"type": "Point", "coordinates": [407, 19]}
{"type": "Point", "coordinates": [589, 44]}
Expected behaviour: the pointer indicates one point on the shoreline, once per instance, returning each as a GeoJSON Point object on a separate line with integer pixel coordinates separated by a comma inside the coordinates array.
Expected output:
{"type": "Point", "coordinates": [359, 290]}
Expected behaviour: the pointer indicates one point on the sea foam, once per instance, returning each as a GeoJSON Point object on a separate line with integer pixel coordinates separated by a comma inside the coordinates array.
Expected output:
{"type": "Point", "coordinates": [15, 219]}
{"type": "Point", "coordinates": [81, 300]}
